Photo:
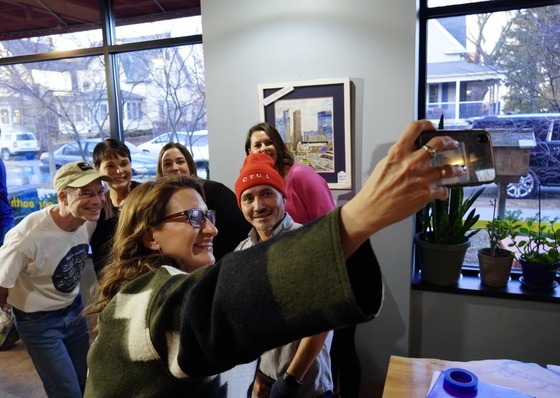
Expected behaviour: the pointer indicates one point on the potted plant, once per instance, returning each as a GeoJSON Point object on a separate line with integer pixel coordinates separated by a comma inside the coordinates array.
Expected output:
{"type": "Point", "coordinates": [495, 262]}
{"type": "Point", "coordinates": [444, 237]}
{"type": "Point", "coordinates": [538, 248]}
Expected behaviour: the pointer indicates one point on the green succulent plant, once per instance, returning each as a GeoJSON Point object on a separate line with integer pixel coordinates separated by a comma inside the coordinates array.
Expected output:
{"type": "Point", "coordinates": [450, 221]}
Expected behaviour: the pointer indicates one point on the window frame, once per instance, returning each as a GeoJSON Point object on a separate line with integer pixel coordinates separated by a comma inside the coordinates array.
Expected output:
{"type": "Point", "coordinates": [109, 50]}
{"type": "Point", "coordinates": [112, 109]}
{"type": "Point", "coordinates": [426, 13]}
{"type": "Point", "coordinates": [469, 284]}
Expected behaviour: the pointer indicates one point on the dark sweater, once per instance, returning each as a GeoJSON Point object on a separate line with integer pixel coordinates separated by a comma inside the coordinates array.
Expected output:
{"type": "Point", "coordinates": [231, 224]}
{"type": "Point", "coordinates": [102, 238]}
{"type": "Point", "coordinates": [165, 333]}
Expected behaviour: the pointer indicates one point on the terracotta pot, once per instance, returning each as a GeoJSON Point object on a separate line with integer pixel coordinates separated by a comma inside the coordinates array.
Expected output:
{"type": "Point", "coordinates": [495, 270]}
{"type": "Point", "coordinates": [440, 264]}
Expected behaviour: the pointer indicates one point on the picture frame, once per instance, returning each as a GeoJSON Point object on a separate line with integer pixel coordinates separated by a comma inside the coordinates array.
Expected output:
{"type": "Point", "coordinates": [314, 120]}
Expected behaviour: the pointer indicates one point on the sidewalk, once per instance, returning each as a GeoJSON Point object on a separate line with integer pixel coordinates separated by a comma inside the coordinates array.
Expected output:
{"type": "Point", "coordinates": [547, 214]}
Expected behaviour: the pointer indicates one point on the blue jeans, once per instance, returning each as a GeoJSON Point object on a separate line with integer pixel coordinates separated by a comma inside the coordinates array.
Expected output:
{"type": "Point", "coordinates": [58, 343]}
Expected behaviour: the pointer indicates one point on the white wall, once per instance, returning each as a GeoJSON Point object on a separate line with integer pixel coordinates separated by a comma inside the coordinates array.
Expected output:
{"type": "Point", "coordinates": [464, 328]}
{"type": "Point", "coordinates": [248, 42]}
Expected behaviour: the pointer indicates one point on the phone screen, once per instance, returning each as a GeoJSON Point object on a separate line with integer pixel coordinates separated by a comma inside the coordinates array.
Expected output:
{"type": "Point", "coordinates": [474, 154]}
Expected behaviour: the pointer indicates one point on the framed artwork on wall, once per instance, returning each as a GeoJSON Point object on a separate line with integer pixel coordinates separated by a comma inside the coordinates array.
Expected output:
{"type": "Point", "coordinates": [313, 118]}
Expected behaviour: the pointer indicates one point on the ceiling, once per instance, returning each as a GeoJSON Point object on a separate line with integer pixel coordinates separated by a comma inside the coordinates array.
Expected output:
{"type": "Point", "coordinates": [27, 18]}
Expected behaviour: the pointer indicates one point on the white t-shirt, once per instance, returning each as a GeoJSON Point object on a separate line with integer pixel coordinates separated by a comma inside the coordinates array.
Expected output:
{"type": "Point", "coordinates": [41, 264]}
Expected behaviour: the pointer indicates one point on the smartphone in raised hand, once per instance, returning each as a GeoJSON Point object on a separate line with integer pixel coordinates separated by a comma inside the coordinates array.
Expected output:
{"type": "Point", "coordinates": [474, 153]}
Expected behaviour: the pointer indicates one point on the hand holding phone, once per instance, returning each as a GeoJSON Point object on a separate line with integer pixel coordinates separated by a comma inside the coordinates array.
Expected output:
{"type": "Point", "coordinates": [474, 154]}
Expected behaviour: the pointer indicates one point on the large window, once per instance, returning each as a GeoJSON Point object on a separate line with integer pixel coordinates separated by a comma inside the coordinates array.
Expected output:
{"type": "Point", "coordinates": [68, 88]}
{"type": "Point", "coordinates": [494, 65]}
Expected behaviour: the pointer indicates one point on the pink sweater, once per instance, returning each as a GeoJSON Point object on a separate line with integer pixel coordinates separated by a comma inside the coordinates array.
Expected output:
{"type": "Point", "coordinates": [307, 194]}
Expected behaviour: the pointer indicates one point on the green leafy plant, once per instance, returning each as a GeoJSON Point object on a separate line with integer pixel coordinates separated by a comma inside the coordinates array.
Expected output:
{"type": "Point", "coordinates": [539, 241]}
{"type": "Point", "coordinates": [450, 221]}
{"type": "Point", "coordinates": [501, 228]}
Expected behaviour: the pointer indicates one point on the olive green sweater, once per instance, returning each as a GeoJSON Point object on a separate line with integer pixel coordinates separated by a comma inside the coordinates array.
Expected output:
{"type": "Point", "coordinates": [166, 333]}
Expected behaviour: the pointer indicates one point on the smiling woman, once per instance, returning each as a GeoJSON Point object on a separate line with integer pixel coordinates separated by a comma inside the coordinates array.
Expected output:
{"type": "Point", "coordinates": [174, 158]}
{"type": "Point", "coordinates": [144, 287]}
{"type": "Point", "coordinates": [149, 254]}
{"type": "Point", "coordinates": [111, 157]}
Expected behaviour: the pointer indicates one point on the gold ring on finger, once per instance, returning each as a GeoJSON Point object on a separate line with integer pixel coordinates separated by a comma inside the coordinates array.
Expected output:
{"type": "Point", "coordinates": [430, 150]}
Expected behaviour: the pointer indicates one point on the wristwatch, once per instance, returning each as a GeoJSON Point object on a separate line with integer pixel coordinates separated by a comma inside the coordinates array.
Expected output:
{"type": "Point", "coordinates": [291, 381]}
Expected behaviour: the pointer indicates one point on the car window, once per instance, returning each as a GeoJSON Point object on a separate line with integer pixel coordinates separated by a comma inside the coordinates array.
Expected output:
{"type": "Point", "coordinates": [132, 148]}
{"type": "Point", "coordinates": [555, 132]}
{"type": "Point", "coordinates": [175, 137]}
{"type": "Point", "coordinates": [25, 137]}
{"type": "Point", "coordinates": [199, 140]}
{"type": "Point", "coordinates": [71, 150]}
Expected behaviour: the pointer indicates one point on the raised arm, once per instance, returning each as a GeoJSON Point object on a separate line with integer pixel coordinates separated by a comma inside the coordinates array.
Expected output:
{"type": "Point", "coordinates": [400, 185]}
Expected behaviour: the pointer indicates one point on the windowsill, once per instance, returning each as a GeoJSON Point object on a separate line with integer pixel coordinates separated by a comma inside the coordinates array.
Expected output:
{"type": "Point", "coordinates": [470, 284]}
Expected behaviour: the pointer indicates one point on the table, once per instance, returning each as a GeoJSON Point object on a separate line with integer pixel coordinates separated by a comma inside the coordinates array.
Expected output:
{"type": "Point", "coordinates": [411, 377]}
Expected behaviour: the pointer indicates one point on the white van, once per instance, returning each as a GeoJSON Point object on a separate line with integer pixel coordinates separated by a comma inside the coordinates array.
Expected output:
{"type": "Point", "coordinates": [17, 144]}
{"type": "Point", "coordinates": [196, 142]}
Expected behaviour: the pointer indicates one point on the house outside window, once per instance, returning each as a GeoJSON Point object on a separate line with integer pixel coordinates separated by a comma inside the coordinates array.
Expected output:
{"type": "Point", "coordinates": [103, 112]}
{"type": "Point", "coordinates": [492, 67]}
{"type": "Point", "coordinates": [67, 102]}
{"type": "Point", "coordinates": [133, 111]}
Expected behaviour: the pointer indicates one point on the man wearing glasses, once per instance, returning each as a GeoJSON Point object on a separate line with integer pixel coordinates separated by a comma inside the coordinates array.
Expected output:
{"type": "Point", "coordinates": [300, 368]}
{"type": "Point", "coordinates": [42, 261]}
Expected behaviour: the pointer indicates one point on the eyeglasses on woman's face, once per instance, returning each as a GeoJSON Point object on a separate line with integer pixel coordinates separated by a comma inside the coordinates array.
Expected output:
{"type": "Point", "coordinates": [195, 217]}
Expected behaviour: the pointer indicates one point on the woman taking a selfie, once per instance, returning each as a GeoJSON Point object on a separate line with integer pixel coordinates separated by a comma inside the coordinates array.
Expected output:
{"type": "Point", "coordinates": [174, 158]}
{"type": "Point", "coordinates": [168, 325]}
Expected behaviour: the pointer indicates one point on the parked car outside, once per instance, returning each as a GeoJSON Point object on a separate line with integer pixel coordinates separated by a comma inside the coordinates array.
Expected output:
{"type": "Point", "coordinates": [18, 144]}
{"type": "Point", "coordinates": [544, 163]}
{"type": "Point", "coordinates": [196, 143]}
{"type": "Point", "coordinates": [143, 164]}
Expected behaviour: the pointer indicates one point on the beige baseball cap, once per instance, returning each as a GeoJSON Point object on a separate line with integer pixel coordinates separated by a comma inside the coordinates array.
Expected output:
{"type": "Point", "coordinates": [77, 175]}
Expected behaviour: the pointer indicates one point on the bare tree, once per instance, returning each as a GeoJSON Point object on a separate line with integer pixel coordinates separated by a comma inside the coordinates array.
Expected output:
{"type": "Point", "coordinates": [528, 54]}
{"type": "Point", "coordinates": [171, 80]}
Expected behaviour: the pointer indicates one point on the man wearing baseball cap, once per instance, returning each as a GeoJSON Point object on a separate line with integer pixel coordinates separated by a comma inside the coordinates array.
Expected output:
{"type": "Point", "coordinates": [301, 368]}
{"type": "Point", "coordinates": [42, 262]}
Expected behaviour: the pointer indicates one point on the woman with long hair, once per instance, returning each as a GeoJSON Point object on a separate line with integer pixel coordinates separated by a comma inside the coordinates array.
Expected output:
{"type": "Point", "coordinates": [307, 194]}
{"type": "Point", "coordinates": [174, 158]}
{"type": "Point", "coordinates": [168, 325]}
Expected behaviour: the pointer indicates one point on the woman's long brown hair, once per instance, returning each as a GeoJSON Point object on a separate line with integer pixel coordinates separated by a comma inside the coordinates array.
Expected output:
{"type": "Point", "coordinates": [144, 208]}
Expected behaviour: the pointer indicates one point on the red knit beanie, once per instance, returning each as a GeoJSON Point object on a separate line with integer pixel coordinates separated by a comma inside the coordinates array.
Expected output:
{"type": "Point", "coordinates": [258, 169]}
